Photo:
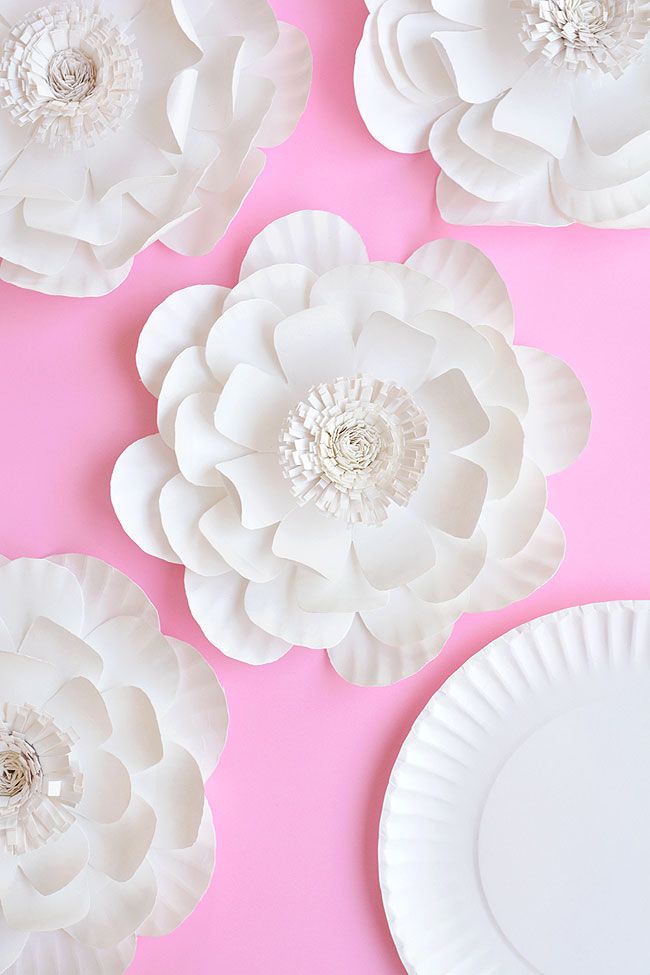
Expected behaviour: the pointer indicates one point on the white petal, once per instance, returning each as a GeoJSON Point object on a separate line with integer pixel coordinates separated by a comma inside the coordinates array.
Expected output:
{"type": "Point", "coordinates": [450, 496]}
{"type": "Point", "coordinates": [182, 505]}
{"type": "Point", "coordinates": [70, 654]}
{"type": "Point", "coordinates": [307, 536]}
{"type": "Point", "coordinates": [456, 418]}
{"type": "Point", "coordinates": [458, 562]}
{"type": "Point", "coordinates": [188, 374]}
{"type": "Point", "coordinates": [285, 285]}
{"type": "Point", "coordinates": [392, 350]}
{"type": "Point", "coordinates": [252, 408]}
{"type": "Point", "coordinates": [78, 706]}
{"type": "Point", "coordinates": [174, 790]}
{"type": "Point", "coordinates": [420, 292]}
{"type": "Point", "coordinates": [559, 417]}
{"type": "Point", "coordinates": [118, 849]}
{"type": "Point", "coordinates": [273, 607]}
{"type": "Point", "coordinates": [247, 552]}
{"type": "Point", "coordinates": [539, 108]}
{"type": "Point", "coordinates": [136, 737]}
{"type": "Point", "coordinates": [314, 346]}
{"type": "Point", "coordinates": [244, 333]}
{"type": "Point", "coordinates": [107, 787]}
{"type": "Point", "coordinates": [106, 591]}
{"type": "Point", "coordinates": [505, 385]}
{"type": "Point", "coordinates": [116, 909]}
{"type": "Point", "coordinates": [139, 476]}
{"type": "Point", "coordinates": [137, 653]}
{"type": "Point", "coordinates": [36, 587]}
{"type": "Point", "coordinates": [55, 865]}
{"type": "Point", "coordinates": [534, 203]}
{"type": "Point", "coordinates": [496, 49]}
{"type": "Point", "coordinates": [27, 910]}
{"type": "Point", "coordinates": [504, 581]}
{"type": "Point", "coordinates": [58, 953]}
{"type": "Point", "coordinates": [500, 452]}
{"type": "Point", "coordinates": [12, 943]}
{"type": "Point", "coordinates": [199, 445]}
{"type": "Point", "coordinates": [184, 319]}
{"type": "Point", "coordinates": [198, 718]}
{"type": "Point", "coordinates": [289, 66]}
{"type": "Point", "coordinates": [182, 877]}
{"type": "Point", "coordinates": [362, 659]}
{"type": "Point", "coordinates": [398, 550]}
{"type": "Point", "coordinates": [217, 605]}
{"type": "Point", "coordinates": [38, 251]}
{"type": "Point", "coordinates": [510, 521]}
{"type": "Point", "coordinates": [26, 680]}
{"type": "Point", "coordinates": [457, 345]}
{"type": "Point", "coordinates": [479, 293]}
{"type": "Point", "coordinates": [82, 277]}
{"type": "Point", "coordinates": [406, 619]}
{"type": "Point", "coordinates": [263, 491]}
{"type": "Point", "coordinates": [348, 593]}
{"type": "Point", "coordinates": [321, 241]}
{"type": "Point", "coordinates": [357, 291]}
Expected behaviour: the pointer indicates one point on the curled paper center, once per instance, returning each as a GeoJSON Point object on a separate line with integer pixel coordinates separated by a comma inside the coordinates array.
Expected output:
{"type": "Point", "coordinates": [72, 75]}
{"type": "Point", "coordinates": [354, 447]}
{"type": "Point", "coordinates": [17, 772]}
{"type": "Point", "coordinates": [40, 785]}
{"type": "Point", "coordinates": [601, 35]}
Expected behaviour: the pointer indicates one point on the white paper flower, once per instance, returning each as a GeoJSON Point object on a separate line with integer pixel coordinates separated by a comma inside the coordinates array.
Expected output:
{"type": "Point", "coordinates": [127, 121]}
{"type": "Point", "coordinates": [535, 110]}
{"type": "Point", "coordinates": [107, 732]}
{"type": "Point", "coordinates": [350, 454]}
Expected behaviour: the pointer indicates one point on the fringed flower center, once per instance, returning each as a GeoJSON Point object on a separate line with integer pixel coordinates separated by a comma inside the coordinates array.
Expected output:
{"type": "Point", "coordinates": [39, 784]}
{"type": "Point", "coordinates": [354, 447]}
{"type": "Point", "coordinates": [71, 72]}
{"type": "Point", "coordinates": [585, 35]}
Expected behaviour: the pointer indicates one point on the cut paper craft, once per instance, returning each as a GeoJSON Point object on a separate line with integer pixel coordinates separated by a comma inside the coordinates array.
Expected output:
{"type": "Point", "coordinates": [534, 110]}
{"type": "Point", "coordinates": [514, 834]}
{"type": "Point", "coordinates": [350, 454]}
{"type": "Point", "coordinates": [122, 124]}
{"type": "Point", "coordinates": [108, 731]}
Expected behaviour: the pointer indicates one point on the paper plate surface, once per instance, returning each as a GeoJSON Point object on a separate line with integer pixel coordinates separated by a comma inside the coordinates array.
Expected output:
{"type": "Point", "coordinates": [515, 836]}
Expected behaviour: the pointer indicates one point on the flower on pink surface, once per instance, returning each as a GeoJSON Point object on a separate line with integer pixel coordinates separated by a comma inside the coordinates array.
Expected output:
{"type": "Point", "coordinates": [533, 109]}
{"type": "Point", "coordinates": [108, 730]}
{"type": "Point", "coordinates": [350, 454]}
{"type": "Point", "coordinates": [130, 121]}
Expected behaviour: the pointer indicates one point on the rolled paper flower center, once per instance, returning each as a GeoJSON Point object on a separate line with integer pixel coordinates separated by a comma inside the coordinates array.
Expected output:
{"type": "Point", "coordinates": [72, 75]}
{"type": "Point", "coordinates": [355, 447]}
{"type": "Point", "coordinates": [601, 35]}
{"type": "Point", "coordinates": [71, 72]}
{"type": "Point", "coordinates": [18, 770]}
{"type": "Point", "coordinates": [39, 783]}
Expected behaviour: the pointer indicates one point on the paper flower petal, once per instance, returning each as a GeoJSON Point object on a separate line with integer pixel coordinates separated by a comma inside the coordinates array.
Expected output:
{"type": "Point", "coordinates": [70, 654]}
{"type": "Point", "coordinates": [54, 866]}
{"type": "Point", "coordinates": [117, 849]}
{"type": "Point", "coordinates": [359, 442]}
{"type": "Point", "coordinates": [30, 588]}
{"type": "Point", "coordinates": [321, 241]}
{"type": "Point", "coordinates": [174, 788]}
{"type": "Point", "coordinates": [116, 909]}
{"type": "Point", "coordinates": [61, 954]}
{"type": "Point", "coordinates": [136, 502]}
{"type": "Point", "coordinates": [559, 418]}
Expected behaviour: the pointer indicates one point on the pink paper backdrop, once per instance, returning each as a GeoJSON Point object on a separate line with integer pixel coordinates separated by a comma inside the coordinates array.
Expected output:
{"type": "Point", "coordinates": [298, 794]}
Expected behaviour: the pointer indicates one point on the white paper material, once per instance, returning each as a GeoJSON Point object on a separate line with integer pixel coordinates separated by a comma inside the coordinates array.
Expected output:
{"type": "Point", "coordinates": [108, 731]}
{"type": "Point", "coordinates": [533, 109]}
{"type": "Point", "coordinates": [495, 841]}
{"type": "Point", "coordinates": [124, 124]}
{"type": "Point", "coordinates": [352, 454]}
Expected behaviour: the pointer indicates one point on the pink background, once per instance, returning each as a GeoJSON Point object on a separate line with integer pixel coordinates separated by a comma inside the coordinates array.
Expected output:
{"type": "Point", "coordinates": [298, 794]}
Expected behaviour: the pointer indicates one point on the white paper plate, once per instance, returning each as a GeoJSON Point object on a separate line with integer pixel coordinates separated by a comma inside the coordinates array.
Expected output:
{"type": "Point", "coordinates": [515, 835]}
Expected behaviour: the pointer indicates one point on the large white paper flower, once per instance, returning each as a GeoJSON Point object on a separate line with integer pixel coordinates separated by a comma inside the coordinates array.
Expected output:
{"type": "Point", "coordinates": [535, 110]}
{"type": "Point", "coordinates": [127, 121]}
{"type": "Point", "coordinates": [350, 454]}
{"type": "Point", "coordinates": [107, 732]}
